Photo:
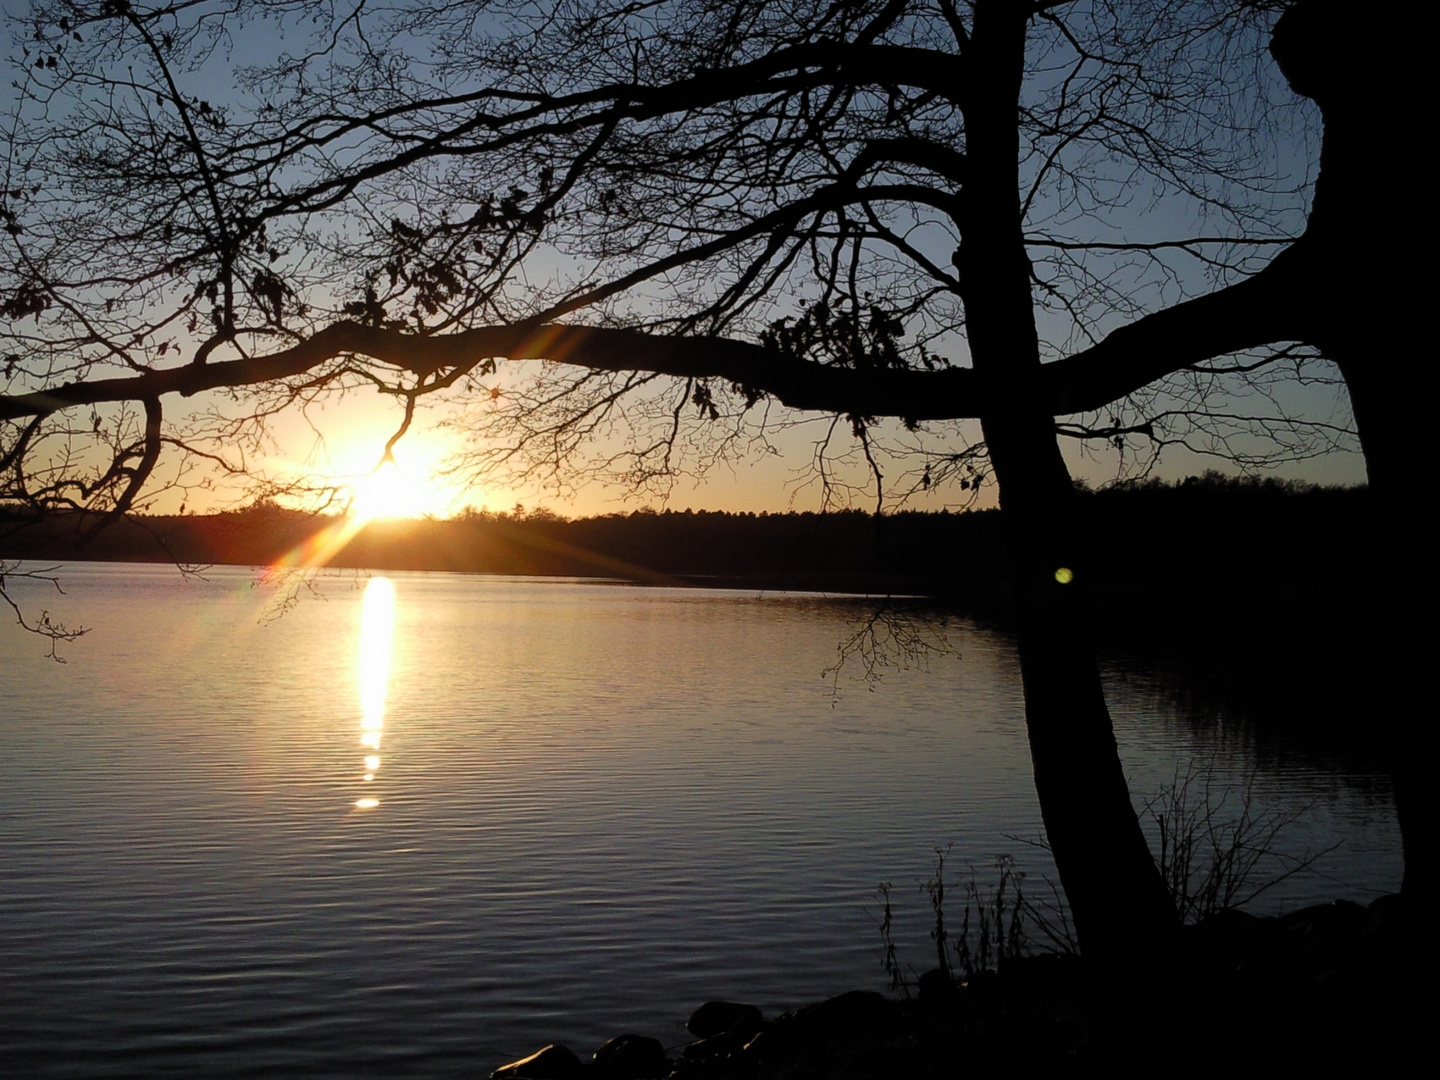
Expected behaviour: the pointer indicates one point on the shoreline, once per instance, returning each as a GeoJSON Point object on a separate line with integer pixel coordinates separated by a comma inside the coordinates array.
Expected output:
{"type": "Point", "coordinates": [1325, 985]}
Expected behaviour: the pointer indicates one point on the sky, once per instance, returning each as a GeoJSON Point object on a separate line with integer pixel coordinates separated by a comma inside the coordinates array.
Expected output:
{"type": "Point", "coordinates": [344, 441]}
{"type": "Point", "coordinates": [347, 442]}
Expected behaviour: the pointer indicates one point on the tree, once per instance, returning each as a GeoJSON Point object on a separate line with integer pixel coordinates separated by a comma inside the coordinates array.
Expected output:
{"type": "Point", "coordinates": [895, 209]}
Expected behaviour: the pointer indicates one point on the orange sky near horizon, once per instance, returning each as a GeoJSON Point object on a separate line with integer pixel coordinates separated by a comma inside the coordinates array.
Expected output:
{"type": "Point", "coordinates": [342, 445]}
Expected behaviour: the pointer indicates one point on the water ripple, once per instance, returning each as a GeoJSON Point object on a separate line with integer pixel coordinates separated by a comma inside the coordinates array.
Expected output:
{"type": "Point", "coordinates": [595, 807]}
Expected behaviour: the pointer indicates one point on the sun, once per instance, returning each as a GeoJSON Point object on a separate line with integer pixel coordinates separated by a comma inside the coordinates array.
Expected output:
{"type": "Point", "coordinates": [346, 458]}
{"type": "Point", "coordinates": [395, 489]}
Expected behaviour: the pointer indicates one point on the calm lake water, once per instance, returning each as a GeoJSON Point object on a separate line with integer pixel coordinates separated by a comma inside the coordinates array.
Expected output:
{"type": "Point", "coordinates": [422, 827]}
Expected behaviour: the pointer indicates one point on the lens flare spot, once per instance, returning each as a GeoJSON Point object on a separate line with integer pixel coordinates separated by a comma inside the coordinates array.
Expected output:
{"type": "Point", "coordinates": [367, 804]}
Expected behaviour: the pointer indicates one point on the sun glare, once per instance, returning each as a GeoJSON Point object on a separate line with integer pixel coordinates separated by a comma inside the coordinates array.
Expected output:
{"type": "Point", "coordinates": [392, 491]}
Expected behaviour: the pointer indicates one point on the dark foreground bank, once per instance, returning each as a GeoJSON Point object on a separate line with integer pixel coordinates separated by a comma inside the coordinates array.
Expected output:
{"type": "Point", "coordinates": [1332, 985]}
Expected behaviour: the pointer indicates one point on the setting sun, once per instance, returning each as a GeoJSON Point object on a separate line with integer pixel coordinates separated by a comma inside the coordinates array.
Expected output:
{"type": "Point", "coordinates": [391, 491]}
{"type": "Point", "coordinates": [408, 485]}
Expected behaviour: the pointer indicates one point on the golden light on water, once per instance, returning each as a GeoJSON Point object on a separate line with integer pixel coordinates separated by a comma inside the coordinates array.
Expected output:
{"type": "Point", "coordinates": [377, 631]}
{"type": "Point", "coordinates": [377, 627]}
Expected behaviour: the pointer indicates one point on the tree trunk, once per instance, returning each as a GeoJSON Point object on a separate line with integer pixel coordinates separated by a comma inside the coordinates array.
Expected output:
{"type": "Point", "coordinates": [1120, 903]}
{"type": "Point", "coordinates": [1391, 432]}
{"type": "Point", "coordinates": [1350, 298]}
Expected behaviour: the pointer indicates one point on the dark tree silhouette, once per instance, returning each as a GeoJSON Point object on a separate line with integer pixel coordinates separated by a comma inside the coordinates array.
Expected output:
{"type": "Point", "coordinates": [921, 211]}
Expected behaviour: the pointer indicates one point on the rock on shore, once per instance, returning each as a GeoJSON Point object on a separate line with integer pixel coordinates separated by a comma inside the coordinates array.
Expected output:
{"type": "Point", "coordinates": [1332, 984]}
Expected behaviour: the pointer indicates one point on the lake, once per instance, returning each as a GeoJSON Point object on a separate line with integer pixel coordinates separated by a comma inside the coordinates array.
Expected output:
{"type": "Point", "coordinates": [425, 824]}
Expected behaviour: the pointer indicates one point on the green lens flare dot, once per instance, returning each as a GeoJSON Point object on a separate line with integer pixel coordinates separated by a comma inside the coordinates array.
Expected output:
{"type": "Point", "coordinates": [1064, 575]}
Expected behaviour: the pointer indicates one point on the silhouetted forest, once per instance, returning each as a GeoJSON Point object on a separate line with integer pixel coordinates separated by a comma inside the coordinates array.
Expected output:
{"type": "Point", "coordinates": [1215, 534]}
{"type": "Point", "coordinates": [1211, 541]}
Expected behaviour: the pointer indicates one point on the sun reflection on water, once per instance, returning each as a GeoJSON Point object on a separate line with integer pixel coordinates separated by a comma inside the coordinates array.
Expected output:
{"type": "Point", "coordinates": [377, 629]}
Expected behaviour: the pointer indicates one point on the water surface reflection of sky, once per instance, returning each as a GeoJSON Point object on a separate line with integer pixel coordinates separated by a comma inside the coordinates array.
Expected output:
{"type": "Point", "coordinates": [579, 779]}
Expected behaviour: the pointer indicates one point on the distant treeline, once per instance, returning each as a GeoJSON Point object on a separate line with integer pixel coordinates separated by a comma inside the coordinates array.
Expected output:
{"type": "Point", "coordinates": [840, 551]}
{"type": "Point", "coordinates": [1209, 534]}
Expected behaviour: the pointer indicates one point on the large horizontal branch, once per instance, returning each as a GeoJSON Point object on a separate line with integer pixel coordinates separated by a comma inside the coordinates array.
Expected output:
{"type": "Point", "coordinates": [800, 384]}
{"type": "Point", "coordinates": [1238, 317]}
{"type": "Point", "coordinates": [1267, 308]}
